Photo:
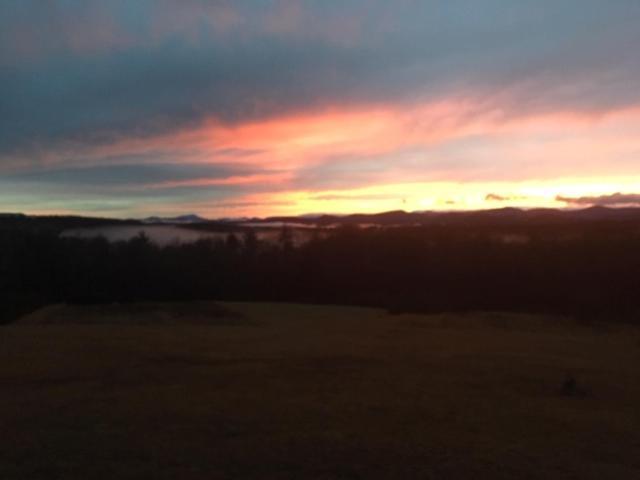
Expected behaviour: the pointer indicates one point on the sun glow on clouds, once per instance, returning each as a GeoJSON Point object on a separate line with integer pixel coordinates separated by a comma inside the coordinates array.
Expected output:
{"type": "Point", "coordinates": [441, 196]}
{"type": "Point", "coordinates": [303, 139]}
{"type": "Point", "coordinates": [315, 136]}
{"type": "Point", "coordinates": [445, 155]}
{"type": "Point", "coordinates": [461, 156]}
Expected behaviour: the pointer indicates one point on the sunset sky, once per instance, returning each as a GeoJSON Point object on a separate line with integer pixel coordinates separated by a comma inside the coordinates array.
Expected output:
{"type": "Point", "coordinates": [132, 108]}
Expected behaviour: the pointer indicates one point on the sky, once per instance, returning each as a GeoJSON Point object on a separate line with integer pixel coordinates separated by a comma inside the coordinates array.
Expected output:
{"type": "Point", "coordinates": [281, 107]}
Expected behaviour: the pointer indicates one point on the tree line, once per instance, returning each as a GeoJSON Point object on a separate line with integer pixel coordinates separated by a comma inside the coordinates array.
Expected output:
{"type": "Point", "coordinates": [590, 272]}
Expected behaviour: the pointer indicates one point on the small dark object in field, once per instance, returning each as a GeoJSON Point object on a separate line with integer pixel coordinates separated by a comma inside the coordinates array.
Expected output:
{"type": "Point", "coordinates": [570, 388]}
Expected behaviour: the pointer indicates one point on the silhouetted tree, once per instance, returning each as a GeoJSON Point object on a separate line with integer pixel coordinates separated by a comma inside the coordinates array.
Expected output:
{"type": "Point", "coordinates": [285, 239]}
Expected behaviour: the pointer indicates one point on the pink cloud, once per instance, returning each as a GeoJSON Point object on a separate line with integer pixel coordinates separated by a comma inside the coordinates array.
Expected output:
{"type": "Point", "coordinates": [448, 141]}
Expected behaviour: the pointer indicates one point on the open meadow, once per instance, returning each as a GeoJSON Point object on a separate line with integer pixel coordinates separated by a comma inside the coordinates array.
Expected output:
{"type": "Point", "coordinates": [282, 391]}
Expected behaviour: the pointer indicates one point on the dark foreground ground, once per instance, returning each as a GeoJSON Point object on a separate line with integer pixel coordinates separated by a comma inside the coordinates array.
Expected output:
{"type": "Point", "coordinates": [303, 392]}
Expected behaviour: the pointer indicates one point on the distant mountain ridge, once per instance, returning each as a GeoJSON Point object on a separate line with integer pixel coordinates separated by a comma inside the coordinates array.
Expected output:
{"type": "Point", "coordinates": [181, 219]}
{"type": "Point", "coordinates": [495, 217]}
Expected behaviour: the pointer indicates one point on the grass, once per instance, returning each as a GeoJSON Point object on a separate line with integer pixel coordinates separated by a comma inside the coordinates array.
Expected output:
{"type": "Point", "coordinates": [292, 391]}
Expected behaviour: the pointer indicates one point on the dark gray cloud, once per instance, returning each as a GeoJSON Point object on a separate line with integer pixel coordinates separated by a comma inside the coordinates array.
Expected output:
{"type": "Point", "coordinates": [135, 175]}
{"type": "Point", "coordinates": [121, 190]}
{"type": "Point", "coordinates": [124, 190]}
{"type": "Point", "coordinates": [614, 200]}
{"type": "Point", "coordinates": [93, 71]}
{"type": "Point", "coordinates": [496, 198]}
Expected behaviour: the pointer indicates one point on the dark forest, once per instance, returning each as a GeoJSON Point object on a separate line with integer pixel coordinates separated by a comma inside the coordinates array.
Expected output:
{"type": "Point", "coordinates": [585, 269]}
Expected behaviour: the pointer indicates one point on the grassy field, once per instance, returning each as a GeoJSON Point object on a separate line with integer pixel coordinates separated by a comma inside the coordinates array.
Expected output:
{"type": "Point", "coordinates": [303, 392]}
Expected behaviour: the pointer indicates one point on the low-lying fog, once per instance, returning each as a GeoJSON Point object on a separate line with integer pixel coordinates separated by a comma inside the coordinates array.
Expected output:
{"type": "Point", "coordinates": [164, 235]}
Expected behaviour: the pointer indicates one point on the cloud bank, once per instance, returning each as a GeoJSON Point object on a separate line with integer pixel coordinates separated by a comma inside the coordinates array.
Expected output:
{"type": "Point", "coordinates": [314, 96]}
{"type": "Point", "coordinates": [614, 200]}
